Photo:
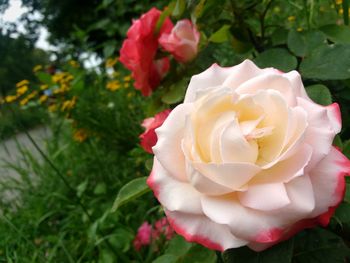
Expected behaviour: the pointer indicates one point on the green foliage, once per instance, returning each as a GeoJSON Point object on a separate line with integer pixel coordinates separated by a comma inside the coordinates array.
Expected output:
{"type": "Point", "coordinates": [130, 191]}
{"type": "Point", "coordinates": [63, 209]}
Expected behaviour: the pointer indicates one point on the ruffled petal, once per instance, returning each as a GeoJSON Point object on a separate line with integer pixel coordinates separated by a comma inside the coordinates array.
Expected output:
{"type": "Point", "coordinates": [328, 180]}
{"type": "Point", "coordinates": [265, 197]}
{"type": "Point", "coordinates": [230, 175]}
{"type": "Point", "coordinates": [170, 135]}
{"type": "Point", "coordinates": [200, 229]}
{"type": "Point", "coordinates": [173, 194]}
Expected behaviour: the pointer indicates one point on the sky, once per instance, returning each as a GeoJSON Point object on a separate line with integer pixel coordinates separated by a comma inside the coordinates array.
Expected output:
{"type": "Point", "coordinates": [13, 13]}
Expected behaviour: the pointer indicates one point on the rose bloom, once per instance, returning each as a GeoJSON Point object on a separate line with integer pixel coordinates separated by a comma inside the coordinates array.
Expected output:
{"type": "Point", "coordinates": [149, 137]}
{"type": "Point", "coordinates": [247, 159]}
{"type": "Point", "coordinates": [139, 50]}
{"type": "Point", "coordinates": [182, 42]}
{"type": "Point", "coordinates": [143, 236]}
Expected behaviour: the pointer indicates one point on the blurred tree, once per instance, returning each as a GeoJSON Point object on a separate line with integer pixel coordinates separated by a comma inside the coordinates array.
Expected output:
{"type": "Point", "coordinates": [17, 59]}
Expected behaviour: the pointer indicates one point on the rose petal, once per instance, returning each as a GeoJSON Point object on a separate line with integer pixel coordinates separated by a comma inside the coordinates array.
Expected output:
{"type": "Point", "coordinates": [172, 194]}
{"type": "Point", "coordinates": [223, 76]}
{"type": "Point", "coordinates": [230, 175]}
{"type": "Point", "coordinates": [328, 180]}
{"type": "Point", "coordinates": [200, 229]}
{"type": "Point", "coordinates": [269, 81]}
{"type": "Point", "coordinates": [265, 197]}
{"type": "Point", "coordinates": [287, 169]}
{"type": "Point", "coordinates": [169, 136]}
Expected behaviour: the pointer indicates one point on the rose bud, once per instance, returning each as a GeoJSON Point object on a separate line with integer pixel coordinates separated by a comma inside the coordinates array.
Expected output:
{"type": "Point", "coordinates": [182, 42]}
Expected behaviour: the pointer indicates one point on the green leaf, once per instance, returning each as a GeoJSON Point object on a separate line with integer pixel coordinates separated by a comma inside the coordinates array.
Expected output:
{"type": "Point", "coordinates": [178, 246]}
{"type": "Point", "coordinates": [199, 254]}
{"type": "Point", "coordinates": [109, 49]}
{"type": "Point", "coordinates": [44, 77]}
{"type": "Point", "coordinates": [296, 43]}
{"type": "Point", "coordinates": [179, 8]}
{"type": "Point", "coordinates": [302, 43]}
{"type": "Point", "coordinates": [166, 258]}
{"type": "Point", "coordinates": [82, 187]}
{"type": "Point", "coordinates": [130, 191]}
{"type": "Point", "coordinates": [176, 93]}
{"type": "Point", "coordinates": [337, 33]}
{"type": "Point", "coordinates": [319, 246]}
{"type": "Point", "coordinates": [280, 253]}
{"type": "Point", "coordinates": [100, 188]}
{"type": "Point", "coordinates": [346, 149]}
{"type": "Point", "coordinates": [222, 35]}
{"type": "Point", "coordinates": [279, 37]}
{"type": "Point", "coordinates": [327, 63]}
{"type": "Point", "coordinates": [278, 58]}
{"type": "Point", "coordinates": [320, 94]}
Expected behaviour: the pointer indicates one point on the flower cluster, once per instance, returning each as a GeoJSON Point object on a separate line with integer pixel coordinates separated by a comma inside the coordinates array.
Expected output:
{"type": "Point", "coordinates": [147, 68]}
{"type": "Point", "coordinates": [146, 234]}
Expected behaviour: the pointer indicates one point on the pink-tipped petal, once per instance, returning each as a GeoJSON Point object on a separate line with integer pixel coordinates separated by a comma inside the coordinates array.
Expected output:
{"type": "Point", "coordinates": [198, 228]}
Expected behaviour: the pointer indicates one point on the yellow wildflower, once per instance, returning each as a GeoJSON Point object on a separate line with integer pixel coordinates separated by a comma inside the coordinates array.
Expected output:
{"type": "Point", "coordinates": [58, 77]}
{"type": "Point", "coordinates": [291, 18]}
{"type": "Point", "coordinates": [52, 108]}
{"type": "Point", "coordinates": [111, 62]}
{"type": "Point", "coordinates": [32, 95]}
{"type": "Point", "coordinates": [130, 94]}
{"type": "Point", "coordinates": [43, 98]}
{"type": "Point", "coordinates": [74, 63]}
{"type": "Point", "coordinates": [37, 68]}
{"type": "Point", "coordinates": [341, 11]}
{"type": "Point", "coordinates": [338, 2]}
{"type": "Point", "coordinates": [22, 83]}
{"type": "Point", "coordinates": [126, 85]}
{"type": "Point", "coordinates": [23, 102]}
{"type": "Point", "coordinates": [113, 85]}
{"type": "Point", "coordinates": [68, 104]}
{"type": "Point", "coordinates": [299, 29]}
{"type": "Point", "coordinates": [80, 135]}
{"type": "Point", "coordinates": [43, 87]}
{"type": "Point", "coordinates": [68, 78]}
{"type": "Point", "coordinates": [127, 78]}
{"type": "Point", "coordinates": [10, 98]}
{"type": "Point", "coordinates": [22, 90]}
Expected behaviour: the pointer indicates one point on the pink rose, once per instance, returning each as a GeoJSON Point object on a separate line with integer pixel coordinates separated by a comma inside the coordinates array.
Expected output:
{"type": "Point", "coordinates": [139, 50]}
{"type": "Point", "coordinates": [247, 159]}
{"type": "Point", "coordinates": [162, 227]}
{"type": "Point", "coordinates": [182, 42]}
{"type": "Point", "coordinates": [143, 236]}
{"type": "Point", "coordinates": [149, 137]}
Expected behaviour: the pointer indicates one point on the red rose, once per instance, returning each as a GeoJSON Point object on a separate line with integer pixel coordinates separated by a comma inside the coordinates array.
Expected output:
{"type": "Point", "coordinates": [139, 50]}
{"type": "Point", "coordinates": [149, 137]}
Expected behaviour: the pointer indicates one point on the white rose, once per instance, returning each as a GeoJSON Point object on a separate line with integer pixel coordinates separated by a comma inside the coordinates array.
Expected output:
{"type": "Point", "coordinates": [247, 159]}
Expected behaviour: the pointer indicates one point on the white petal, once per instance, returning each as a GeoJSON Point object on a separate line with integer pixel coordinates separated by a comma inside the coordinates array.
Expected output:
{"type": "Point", "coordinates": [328, 180]}
{"type": "Point", "coordinates": [210, 78]}
{"type": "Point", "coordinates": [204, 184]}
{"type": "Point", "coordinates": [265, 197]}
{"type": "Point", "coordinates": [168, 148]}
{"type": "Point", "coordinates": [235, 148]}
{"type": "Point", "coordinates": [297, 84]}
{"type": "Point", "coordinates": [334, 116]}
{"type": "Point", "coordinates": [287, 169]}
{"type": "Point", "coordinates": [230, 175]}
{"type": "Point", "coordinates": [242, 73]}
{"type": "Point", "coordinates": [172, 194]}
{"type": "Point", "coordinates": [269, 81]}
{"type": "Point", "coordinates": [245, 223]}
{"type": "Point", "coordinates": [198, 228]}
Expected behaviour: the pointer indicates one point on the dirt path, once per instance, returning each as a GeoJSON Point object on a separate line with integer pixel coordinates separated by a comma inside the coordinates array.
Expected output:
{"type": "Point", "coordinates": [10, 151]}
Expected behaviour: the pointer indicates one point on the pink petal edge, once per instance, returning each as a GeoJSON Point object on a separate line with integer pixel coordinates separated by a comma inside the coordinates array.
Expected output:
{"type": "Point", "coordinates": [194, 238]}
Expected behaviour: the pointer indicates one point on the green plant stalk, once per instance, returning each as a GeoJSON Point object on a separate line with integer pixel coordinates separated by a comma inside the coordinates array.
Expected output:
{"type": "Point", "coordinates": [346, 11]}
